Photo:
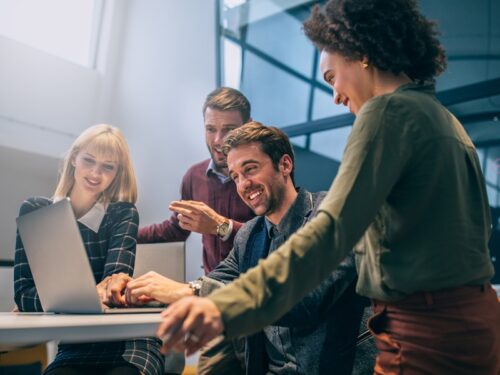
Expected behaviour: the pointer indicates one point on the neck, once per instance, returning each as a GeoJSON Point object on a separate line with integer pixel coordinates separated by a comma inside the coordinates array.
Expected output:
{"type": "Point", "coordinates": [81, 202]}
{"type": "Point", "coordinates": [289, 196]}
{"type": "Point", "coordinates": [386, 83]}
{"type": "Point", "coordinates": [221, 170]}
{"type": "Point", "coordinates": [224, 171]}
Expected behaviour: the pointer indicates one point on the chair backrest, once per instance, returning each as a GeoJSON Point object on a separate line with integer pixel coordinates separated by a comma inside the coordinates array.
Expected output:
{"type": "Point", "coordinates": [166, 258]}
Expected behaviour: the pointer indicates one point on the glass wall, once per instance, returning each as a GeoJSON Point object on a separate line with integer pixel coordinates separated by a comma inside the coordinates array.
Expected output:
{"type": "Point", "coordinates": [264, 52]}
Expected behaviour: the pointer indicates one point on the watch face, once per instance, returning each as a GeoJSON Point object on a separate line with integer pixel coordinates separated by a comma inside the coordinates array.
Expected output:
{"type": "Point", "coordinates": [222, 229]}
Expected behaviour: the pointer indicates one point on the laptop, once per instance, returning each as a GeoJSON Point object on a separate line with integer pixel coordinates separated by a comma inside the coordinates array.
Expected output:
{"type": "Point", "coordinates": [166, 258]}
{"type": "Point", "coordinates": [59, 263]}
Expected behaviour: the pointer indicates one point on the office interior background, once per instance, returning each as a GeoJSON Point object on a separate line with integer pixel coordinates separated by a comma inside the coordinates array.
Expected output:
{"type": "Point", "coordinates": [147, 65]}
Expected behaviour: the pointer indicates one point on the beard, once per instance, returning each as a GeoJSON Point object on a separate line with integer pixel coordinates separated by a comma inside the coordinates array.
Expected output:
{"type": "Point", "coordinates": [275, 199]}
{"type": "Point", "coordinates": [219, 163]}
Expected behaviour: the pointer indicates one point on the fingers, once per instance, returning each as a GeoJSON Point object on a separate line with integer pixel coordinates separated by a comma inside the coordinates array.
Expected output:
{"type": "Point", "coordinates": [170, 329]}
{"type": "Point", "coordinates": [185, 222]}
{"type": "Point", "coordinates": [182, 211]}
{"type": "Point", "coordinates": [186, 207]}
{"type": "Point", "coordinates": [115, 289]}
{"type": "Point", "coordinates": [139, 290]}
{"type": "Point", "coordinates": [189, 324]}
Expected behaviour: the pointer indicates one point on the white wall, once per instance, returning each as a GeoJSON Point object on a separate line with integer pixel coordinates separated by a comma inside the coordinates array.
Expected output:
{"type": "Point", "coordinates": [166, 68]}
{"type": "Point", "coordinates": [44, 100]}
{"type": "Point", "coordinates": [156, 66]}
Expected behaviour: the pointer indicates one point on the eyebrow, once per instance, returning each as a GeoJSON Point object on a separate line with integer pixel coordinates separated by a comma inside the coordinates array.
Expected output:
{"type": "Point", "coordinates": [249, 162]}
{"type": "Point", "coordinates": [225, 125]}
{"type": "Point", "coordinates": [244, 163]}
{"type": "Point", "coordinates": [105, 161]}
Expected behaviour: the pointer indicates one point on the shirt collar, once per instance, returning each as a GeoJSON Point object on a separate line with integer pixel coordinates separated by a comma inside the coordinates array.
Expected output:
{"type": "Point", "coordinates": [211, 169]}
{"type": "Point", "coordinates": [93, 218]}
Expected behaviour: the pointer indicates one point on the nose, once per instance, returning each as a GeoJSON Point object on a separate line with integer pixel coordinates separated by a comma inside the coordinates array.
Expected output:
{"type": "Point", "coordinates": [96, 169]}
{"type": "Point", "coordinates": [219, 136]}
{"type": "Point", "coordinates": [243, 184]}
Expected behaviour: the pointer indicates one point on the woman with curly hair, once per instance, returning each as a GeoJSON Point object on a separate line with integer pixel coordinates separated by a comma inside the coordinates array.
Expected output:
{"type": "Point", "coordinates": [409, 186]}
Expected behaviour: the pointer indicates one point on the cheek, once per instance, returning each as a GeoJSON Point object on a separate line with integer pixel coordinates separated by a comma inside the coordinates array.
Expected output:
{"type": "Point", "coordinates": [109, 180]}
{"type": "Point", "coordinates": [209, 139]}
{"type": "Point", "coordinates": [240, 190]}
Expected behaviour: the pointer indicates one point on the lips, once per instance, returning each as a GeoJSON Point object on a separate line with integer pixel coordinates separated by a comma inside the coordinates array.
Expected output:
{"type": "Point", "coordinates": [253, 194]}
{"type": "Point", "coordinates": [218, 153]}
{"type": "Point", "coordinates": [92, 182]}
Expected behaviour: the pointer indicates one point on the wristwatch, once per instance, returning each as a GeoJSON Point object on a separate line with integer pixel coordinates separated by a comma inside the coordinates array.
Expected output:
{"type": "Point", "coordinates": [223, 229]}
{"type": "Point", "coordinates": [195, 287]}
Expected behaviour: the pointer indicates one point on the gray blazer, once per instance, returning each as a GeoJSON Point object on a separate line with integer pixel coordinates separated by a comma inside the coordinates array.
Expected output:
{"type": "Point", "coordinates": [320, 330]}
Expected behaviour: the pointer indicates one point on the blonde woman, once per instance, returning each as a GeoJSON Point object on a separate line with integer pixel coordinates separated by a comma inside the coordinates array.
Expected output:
{"type": "Point", "coordinates": [98, 177]}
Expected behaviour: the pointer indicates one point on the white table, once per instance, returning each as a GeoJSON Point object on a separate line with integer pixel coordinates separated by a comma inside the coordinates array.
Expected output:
{"type": "Point", "coordinates": [24, 329]}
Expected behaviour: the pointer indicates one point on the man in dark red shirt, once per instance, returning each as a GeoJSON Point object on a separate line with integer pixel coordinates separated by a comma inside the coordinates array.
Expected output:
{"type": "Point", "coordinates": [209, 202]}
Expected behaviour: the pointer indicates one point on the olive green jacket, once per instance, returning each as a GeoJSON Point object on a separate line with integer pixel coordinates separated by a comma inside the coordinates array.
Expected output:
{"type": "Point", "coordinates": [410, 183]}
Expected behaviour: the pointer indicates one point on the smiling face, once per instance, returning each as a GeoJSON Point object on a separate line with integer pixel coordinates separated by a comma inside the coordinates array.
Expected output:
{"type": "Point", "coordinates": [217, 125]}
{"type": "Point", "coordinates": [94, 173]}
{"type": "Point", "coordinates": [258, 183]}
{"type": "Point", "coordinates": [350, 81]}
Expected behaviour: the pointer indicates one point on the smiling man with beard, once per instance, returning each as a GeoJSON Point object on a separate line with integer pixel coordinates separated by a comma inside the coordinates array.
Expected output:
{"type": "Point", "coordinates": [318, 335]}
{"type": "Point", "coordinates": [209, 203]}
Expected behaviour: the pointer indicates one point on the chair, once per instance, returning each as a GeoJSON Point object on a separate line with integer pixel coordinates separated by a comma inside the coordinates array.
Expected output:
{"type": "Point", "coordinates": [27, 361]}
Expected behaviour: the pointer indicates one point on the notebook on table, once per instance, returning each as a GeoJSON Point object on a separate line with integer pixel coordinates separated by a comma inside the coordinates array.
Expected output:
{"type": "Point", "coordinates": [59, 263]}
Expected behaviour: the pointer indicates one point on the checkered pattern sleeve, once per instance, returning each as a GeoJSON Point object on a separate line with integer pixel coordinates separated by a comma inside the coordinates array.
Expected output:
{"type": "Point", "coordinates": [25, 293]}
{"type": "Point", "coordinates": [122, 234]}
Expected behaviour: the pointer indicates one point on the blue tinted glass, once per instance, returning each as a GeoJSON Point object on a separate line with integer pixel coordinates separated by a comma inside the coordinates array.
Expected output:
{"type": "Point", "coordinates": [280, 36]}
{"type": "Point", "coordinates": [330, 143]}
{"type": "Point", "coordinates": [324, 107]}
{"type": "Point", "coordinates": [277, 97]}
{"type": "Point", "coordinates": [299, 141]}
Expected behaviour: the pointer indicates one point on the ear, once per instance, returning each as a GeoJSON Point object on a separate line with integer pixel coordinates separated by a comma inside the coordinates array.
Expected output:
{"type": "Point", "coordinates": [286, 165]}
{"type": "Point", "coordinates": [364, 62]}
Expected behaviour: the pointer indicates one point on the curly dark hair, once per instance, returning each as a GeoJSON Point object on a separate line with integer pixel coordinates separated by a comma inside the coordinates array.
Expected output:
{"type": "Point", "coordinates": [392, 34]}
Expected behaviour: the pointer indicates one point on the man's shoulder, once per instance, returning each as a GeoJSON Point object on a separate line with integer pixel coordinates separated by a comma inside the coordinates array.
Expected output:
{"type": "Point", "coordinates": [196, 172]}
{"type": "Point", "coordinates": [199, 167]}
{"type": "Point", "coordinates": [317, 197]}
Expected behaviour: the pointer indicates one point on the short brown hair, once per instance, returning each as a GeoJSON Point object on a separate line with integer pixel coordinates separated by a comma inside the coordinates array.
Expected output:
{"type": "Point", "coordinates": [273, 142]}
{"type": "Point", "coordinates": [228, 99]}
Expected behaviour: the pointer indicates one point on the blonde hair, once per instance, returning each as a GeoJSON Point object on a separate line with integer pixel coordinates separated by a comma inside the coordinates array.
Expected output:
{"type": "Point", "coordinates": [108, 141]}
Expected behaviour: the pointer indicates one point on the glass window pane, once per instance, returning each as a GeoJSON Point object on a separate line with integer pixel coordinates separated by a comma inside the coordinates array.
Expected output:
{"type": "Point", "coordinates": [299, 141]}
{"type": "Point", "coordinates": [295, 50]}
{"type": "Point", "coordinates": [277, 97]}
{"type": "Point", "coordinates": [331, 143]}
{"type": "Point", "coordinates": [324, 107]}
{"type": "Point", "coordinates": [232, 64]}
